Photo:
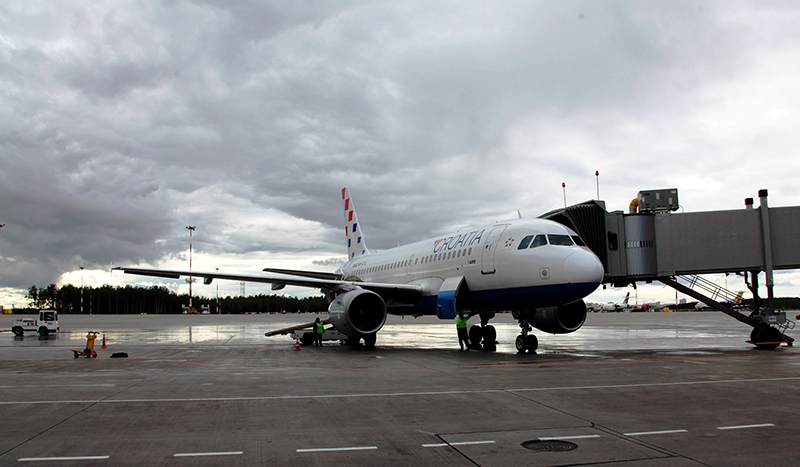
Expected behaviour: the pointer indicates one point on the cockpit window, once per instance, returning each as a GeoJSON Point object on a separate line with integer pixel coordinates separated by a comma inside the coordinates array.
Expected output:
{"type": "Point", "coordinates": [563, 240]}
{"type": "Point", "coordinates": [540, 240]}
{"type": "Point", "coordinates": [525, 242]}
{"type": "Point", "coordinates": [578, 240]}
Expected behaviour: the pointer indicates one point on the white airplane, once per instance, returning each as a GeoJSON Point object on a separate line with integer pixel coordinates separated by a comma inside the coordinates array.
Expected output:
{"type": "Point", "coordinates": [611, 306]}
{"type": "Point", "coordinates": [538, 269]}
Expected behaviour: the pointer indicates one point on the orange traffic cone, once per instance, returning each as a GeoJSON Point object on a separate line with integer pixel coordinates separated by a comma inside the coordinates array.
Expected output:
{"type": "Point", "coordinates": [297, 344]}
{"type": "Point", "coordinates": [104, 342]}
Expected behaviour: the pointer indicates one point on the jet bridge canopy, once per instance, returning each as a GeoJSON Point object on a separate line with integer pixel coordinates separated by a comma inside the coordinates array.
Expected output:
{"type": "Point", "coordinates": [663, 245]}
{"type": "Point", "coordinates": [645, 246]}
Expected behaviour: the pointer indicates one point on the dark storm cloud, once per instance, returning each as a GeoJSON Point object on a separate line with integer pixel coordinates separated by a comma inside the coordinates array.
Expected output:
{"type": "Point", "coordinates": [123, 122]}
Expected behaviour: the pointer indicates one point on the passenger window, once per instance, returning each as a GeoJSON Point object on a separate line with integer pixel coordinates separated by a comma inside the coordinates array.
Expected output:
{"type": "Point", "coordinates": [525, 242]}
{"type": "Point", "coordinates": [540, 240]}
{"type": "Point", "coordinates": [578, 240]}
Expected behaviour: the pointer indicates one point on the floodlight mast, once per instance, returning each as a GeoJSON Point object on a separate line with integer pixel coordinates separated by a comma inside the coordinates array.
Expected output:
{"type": "Point", "coordinates": [82, 290]}
{"type": "Point", "coordinates": [191, 229]}
{"type": "Point", "coordinates": [597, 177]}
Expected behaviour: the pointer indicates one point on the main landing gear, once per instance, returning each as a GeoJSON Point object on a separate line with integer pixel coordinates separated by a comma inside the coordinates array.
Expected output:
{"type": "Point", "coordinates": [484, 336]}
{"type": "Point", "coordinates": [525, 341]}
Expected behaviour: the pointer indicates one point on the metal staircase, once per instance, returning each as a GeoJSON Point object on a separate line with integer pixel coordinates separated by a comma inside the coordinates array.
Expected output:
{"type": "Point", "coordinates": [695, 286]}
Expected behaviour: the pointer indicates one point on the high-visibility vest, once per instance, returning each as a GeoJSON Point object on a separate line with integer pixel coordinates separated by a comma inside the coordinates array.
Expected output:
{"type": "Point", "coordinates": [461, 322]}
{"type": "Point", "coordinates": [320, 327]}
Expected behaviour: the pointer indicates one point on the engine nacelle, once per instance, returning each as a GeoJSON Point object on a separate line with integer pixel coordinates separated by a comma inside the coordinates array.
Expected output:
{"type": "Point", "coordinates": [358, 313]}
{"type": "Point", "coordinates": [561, 319]}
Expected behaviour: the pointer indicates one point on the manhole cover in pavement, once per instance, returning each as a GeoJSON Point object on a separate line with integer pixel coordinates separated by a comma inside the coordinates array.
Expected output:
{"type": "Point", "coordinates": [549, 445]}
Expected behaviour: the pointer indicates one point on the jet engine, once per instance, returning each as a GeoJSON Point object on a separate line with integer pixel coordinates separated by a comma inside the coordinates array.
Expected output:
{"type": "Point", "coordinates": [358, 313]}
{"type": "Point", "coordinates": [561, 319]}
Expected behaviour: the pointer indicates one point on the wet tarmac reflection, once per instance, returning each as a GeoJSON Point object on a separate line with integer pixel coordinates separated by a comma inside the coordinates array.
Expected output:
{"type": "Point", "coordinates": [606, 331]}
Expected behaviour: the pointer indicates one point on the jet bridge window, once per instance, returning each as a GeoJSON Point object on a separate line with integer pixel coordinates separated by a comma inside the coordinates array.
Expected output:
{"type": "Point", "coordinates": [563, 240]}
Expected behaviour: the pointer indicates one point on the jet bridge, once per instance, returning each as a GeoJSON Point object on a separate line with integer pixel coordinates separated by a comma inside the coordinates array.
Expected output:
{"type": "Point", "coordinates": [652, 242]}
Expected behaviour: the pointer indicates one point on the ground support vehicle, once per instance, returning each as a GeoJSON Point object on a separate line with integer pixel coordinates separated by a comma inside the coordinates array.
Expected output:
{"type": "Point", "coordinates": [47, 323]}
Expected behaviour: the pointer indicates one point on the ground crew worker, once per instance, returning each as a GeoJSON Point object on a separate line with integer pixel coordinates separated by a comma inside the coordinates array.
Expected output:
{"type": "Point", "coordinates": [461, 327]}
{"type": "Point", "coordinates": [318, 329]}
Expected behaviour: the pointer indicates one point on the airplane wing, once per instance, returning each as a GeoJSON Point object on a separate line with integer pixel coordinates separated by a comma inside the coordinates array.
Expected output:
{"type": "Point", "coordinates": [295, 328]}
{"type": "Point", "coordinates": [295, 272]}
{"type": "Point", "coordinates": [405, 293]}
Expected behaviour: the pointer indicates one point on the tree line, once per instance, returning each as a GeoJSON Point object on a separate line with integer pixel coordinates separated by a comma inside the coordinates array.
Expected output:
{"type": "Point", "coordinates": [160, 300]}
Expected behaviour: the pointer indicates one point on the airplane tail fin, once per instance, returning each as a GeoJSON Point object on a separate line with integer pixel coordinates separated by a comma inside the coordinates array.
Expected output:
{"type": "Point", "coordinates": [355, 240]}
{"type": "Point", "coordinates": [625, 302]}
{"type": "Point", "coordinates": [738, 298]}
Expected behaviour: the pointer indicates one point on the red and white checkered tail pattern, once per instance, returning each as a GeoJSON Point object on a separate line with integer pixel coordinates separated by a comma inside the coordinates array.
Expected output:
{"type": "Point", "coordinates": [355, 240]}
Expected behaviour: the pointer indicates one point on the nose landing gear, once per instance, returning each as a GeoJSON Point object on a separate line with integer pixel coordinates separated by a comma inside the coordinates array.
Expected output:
{"type": "Point", "coordinates": [525, 341]}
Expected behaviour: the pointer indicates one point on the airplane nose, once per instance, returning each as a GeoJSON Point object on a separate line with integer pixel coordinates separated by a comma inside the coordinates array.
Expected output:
{"type": "Point", "coordinates": [583, 267]}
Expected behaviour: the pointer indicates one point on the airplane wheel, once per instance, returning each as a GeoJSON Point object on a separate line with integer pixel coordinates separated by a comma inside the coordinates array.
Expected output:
{"type": "Point", "coordinates": [352, 341]}
{"type": "Point", "coordinates": [531, 343]}
{"type": "Point", "coordinates": [17, 330]}
{"type": "Point", "coordinates": [43, 331]}
{"type": "Point", "coordinates": [307, 338]}
{"type": "Point", "coordinates": [489, 338]}
{"type": "Point", "coordinates": [475, 336]}
{"type": "Point", "coordinates": [369, 340]}
{"type": "Point", "coordinates": [519, 343]}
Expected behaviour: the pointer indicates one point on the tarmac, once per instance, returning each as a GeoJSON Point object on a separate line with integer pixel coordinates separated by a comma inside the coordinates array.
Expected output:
{"type": "Point", "coordinates": [627, 389]}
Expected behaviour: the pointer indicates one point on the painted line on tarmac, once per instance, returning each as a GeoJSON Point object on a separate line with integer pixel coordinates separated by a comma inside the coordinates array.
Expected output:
{"type": "Point", "coordinates": [77, 458]}
{"type": "Point", "coordinates": [558, 438]}
{"type": "Point", "coordinates": [208, 454]}
{"type": "Point", "coordinates": [662, 432]}
{"type": "Point", "coordinates": [39, 386]}
{"type": "Point", "coordinates": [399, 394]}
{"type": "Point", "coordinates": [353, 448]}
{"type": "Point", "coordinates": [646, 385]}
{"type": "Point", "coordinates": [740, 427]}
{"type": "Point", "coordinates": [460, 443]}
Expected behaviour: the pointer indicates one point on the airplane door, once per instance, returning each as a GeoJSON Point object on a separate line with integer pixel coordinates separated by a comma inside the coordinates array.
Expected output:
{"type": "Point", "coordinates": [487, 256]}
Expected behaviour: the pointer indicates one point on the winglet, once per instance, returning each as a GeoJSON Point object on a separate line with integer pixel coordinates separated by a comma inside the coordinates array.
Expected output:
{"type": "Point", "coordinates": [355, 240]}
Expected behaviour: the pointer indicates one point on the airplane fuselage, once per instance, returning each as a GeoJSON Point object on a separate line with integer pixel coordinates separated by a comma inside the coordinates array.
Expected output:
{"type": "Point", "coordinates": [500, 271]}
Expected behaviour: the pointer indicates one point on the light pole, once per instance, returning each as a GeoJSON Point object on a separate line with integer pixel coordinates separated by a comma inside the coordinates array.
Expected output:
{"type": "Point", "coordinates": [597, 176]}
{"type": "Point", "coordinates": [82, 290]}
{"type": "Point", "coordinates": [2, 225]}
{"type": "Point", "coordinates": [191, 229]}
{"type": "Point", "coordinates": [218, 311]}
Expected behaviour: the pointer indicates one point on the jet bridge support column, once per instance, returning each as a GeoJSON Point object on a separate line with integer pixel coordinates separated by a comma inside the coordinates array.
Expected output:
{"type": "Point", "coordinates": [768, 266]}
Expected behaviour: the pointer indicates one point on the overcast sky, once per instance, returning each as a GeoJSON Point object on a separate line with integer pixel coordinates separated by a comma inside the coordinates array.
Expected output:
{"type": "Point", "coordinates": [121, 122]}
